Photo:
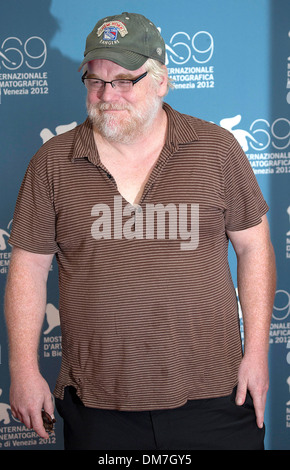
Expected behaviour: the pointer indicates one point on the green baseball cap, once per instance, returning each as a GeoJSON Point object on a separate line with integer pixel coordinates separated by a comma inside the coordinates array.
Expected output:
{"type": "Point", "coordinates": [128, 40]}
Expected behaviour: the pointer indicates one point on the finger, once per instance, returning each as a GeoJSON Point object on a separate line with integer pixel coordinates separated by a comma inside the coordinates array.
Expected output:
{"type": "Point", "coordinates": [48, 405]}
{"type": "Point", "coordinates": [259, 405]}
{"type": "Point", "coordinates": [241, 394]}
{"type": "Point", "coordinates": [24, 418]}
{"type": "Point", "coordinates": [15, 414]}
{"type": "Point", "coordinates": [37, 424]}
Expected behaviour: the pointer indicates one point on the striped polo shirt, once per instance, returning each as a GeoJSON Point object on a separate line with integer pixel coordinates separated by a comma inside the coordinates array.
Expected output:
{"type": "Point", "coordinates": [148, 309]}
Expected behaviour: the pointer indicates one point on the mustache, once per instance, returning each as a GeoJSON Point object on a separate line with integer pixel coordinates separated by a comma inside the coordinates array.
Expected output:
{"type": "Point", "coordinates": [110, 106]}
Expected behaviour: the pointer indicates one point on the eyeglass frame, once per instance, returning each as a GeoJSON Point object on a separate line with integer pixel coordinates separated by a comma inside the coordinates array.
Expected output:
{"type": "Point", "coordinates": [104, 82]}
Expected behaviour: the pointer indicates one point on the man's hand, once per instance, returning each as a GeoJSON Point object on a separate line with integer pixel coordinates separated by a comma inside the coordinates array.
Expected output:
{"type": "Point", "coordinates": [254, 377]}
{"type": "Point", "coordinates": [29, 395]}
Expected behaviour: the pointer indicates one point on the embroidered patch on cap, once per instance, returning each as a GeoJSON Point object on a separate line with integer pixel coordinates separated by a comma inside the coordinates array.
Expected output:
{"type": "Point", "coordinates": [110, 30]}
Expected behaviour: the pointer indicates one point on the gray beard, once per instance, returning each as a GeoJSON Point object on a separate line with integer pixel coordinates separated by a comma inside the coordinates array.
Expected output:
{"type": "Point", "coordinates": [123, 130]}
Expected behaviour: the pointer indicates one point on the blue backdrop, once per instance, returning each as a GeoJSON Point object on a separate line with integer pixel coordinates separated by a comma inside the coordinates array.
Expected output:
{"type": "Point", "coordinates": [231, 65]}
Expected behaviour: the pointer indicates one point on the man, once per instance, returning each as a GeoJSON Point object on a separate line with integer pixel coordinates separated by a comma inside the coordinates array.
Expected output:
{"type": "Point", "coordinates": [138, 204]}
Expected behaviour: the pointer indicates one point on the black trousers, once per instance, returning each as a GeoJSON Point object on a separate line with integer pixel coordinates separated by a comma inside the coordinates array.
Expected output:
{"type": "Point", "coordinates": [211, 424]}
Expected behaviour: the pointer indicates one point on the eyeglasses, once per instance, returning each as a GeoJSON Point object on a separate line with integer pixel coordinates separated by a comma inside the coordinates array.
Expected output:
{"type": "Point", "coordinates": [122, 85]}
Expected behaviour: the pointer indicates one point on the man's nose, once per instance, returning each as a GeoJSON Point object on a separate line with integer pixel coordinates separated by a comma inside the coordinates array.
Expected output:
{"type": "Point", "coordinates": [108, 91]}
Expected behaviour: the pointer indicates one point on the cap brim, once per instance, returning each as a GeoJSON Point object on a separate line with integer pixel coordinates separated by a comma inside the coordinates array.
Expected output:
{"type": "Point", "coordinates": [126, 59]}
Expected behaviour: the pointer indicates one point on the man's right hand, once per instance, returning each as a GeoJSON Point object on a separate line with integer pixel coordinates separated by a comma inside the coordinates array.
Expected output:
{"type": "Point", "coordinates": [29, 395]}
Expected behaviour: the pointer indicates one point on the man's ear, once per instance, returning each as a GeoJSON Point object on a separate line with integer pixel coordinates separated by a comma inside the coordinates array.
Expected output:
{"type": "Point", "coordinates": [163, 84]}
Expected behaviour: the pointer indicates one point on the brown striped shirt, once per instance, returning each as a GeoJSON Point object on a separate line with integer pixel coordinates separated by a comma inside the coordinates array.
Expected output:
{"type": "Point", "coordinates": [149, 317]}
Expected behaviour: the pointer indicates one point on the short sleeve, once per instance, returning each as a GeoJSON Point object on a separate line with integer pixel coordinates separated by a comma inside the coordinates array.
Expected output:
{"type": "Point", "coordinates": [33, 226]}
{"type": "Point", "coordinates": [244, 201]}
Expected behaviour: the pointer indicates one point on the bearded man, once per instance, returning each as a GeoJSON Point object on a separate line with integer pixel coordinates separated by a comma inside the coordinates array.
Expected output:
{"type": "Point", "coordinates": [151, 348]}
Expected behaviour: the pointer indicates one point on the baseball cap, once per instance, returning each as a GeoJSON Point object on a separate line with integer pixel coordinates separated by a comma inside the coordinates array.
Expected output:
{"type": "Point", "coordinates": [128, 39]}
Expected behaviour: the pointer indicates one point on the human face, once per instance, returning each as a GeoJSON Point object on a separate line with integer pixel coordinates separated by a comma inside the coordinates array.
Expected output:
{"type": "Point", "coordinates": [122, 116]}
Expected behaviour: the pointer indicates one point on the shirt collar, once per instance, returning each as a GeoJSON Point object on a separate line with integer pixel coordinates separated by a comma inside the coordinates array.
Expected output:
{"type": "Point", "coordinates": [85, 146]}
{"type": "Point", "coordinates": [180, 127]}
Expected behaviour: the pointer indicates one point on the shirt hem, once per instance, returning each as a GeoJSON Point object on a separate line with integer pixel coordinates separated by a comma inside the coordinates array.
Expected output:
{"type": "Point", "coordinates": [151, 405]}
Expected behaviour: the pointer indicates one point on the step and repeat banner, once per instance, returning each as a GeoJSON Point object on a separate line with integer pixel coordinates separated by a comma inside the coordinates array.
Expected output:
{"type": "Point", "coordinates": [230, 61]}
